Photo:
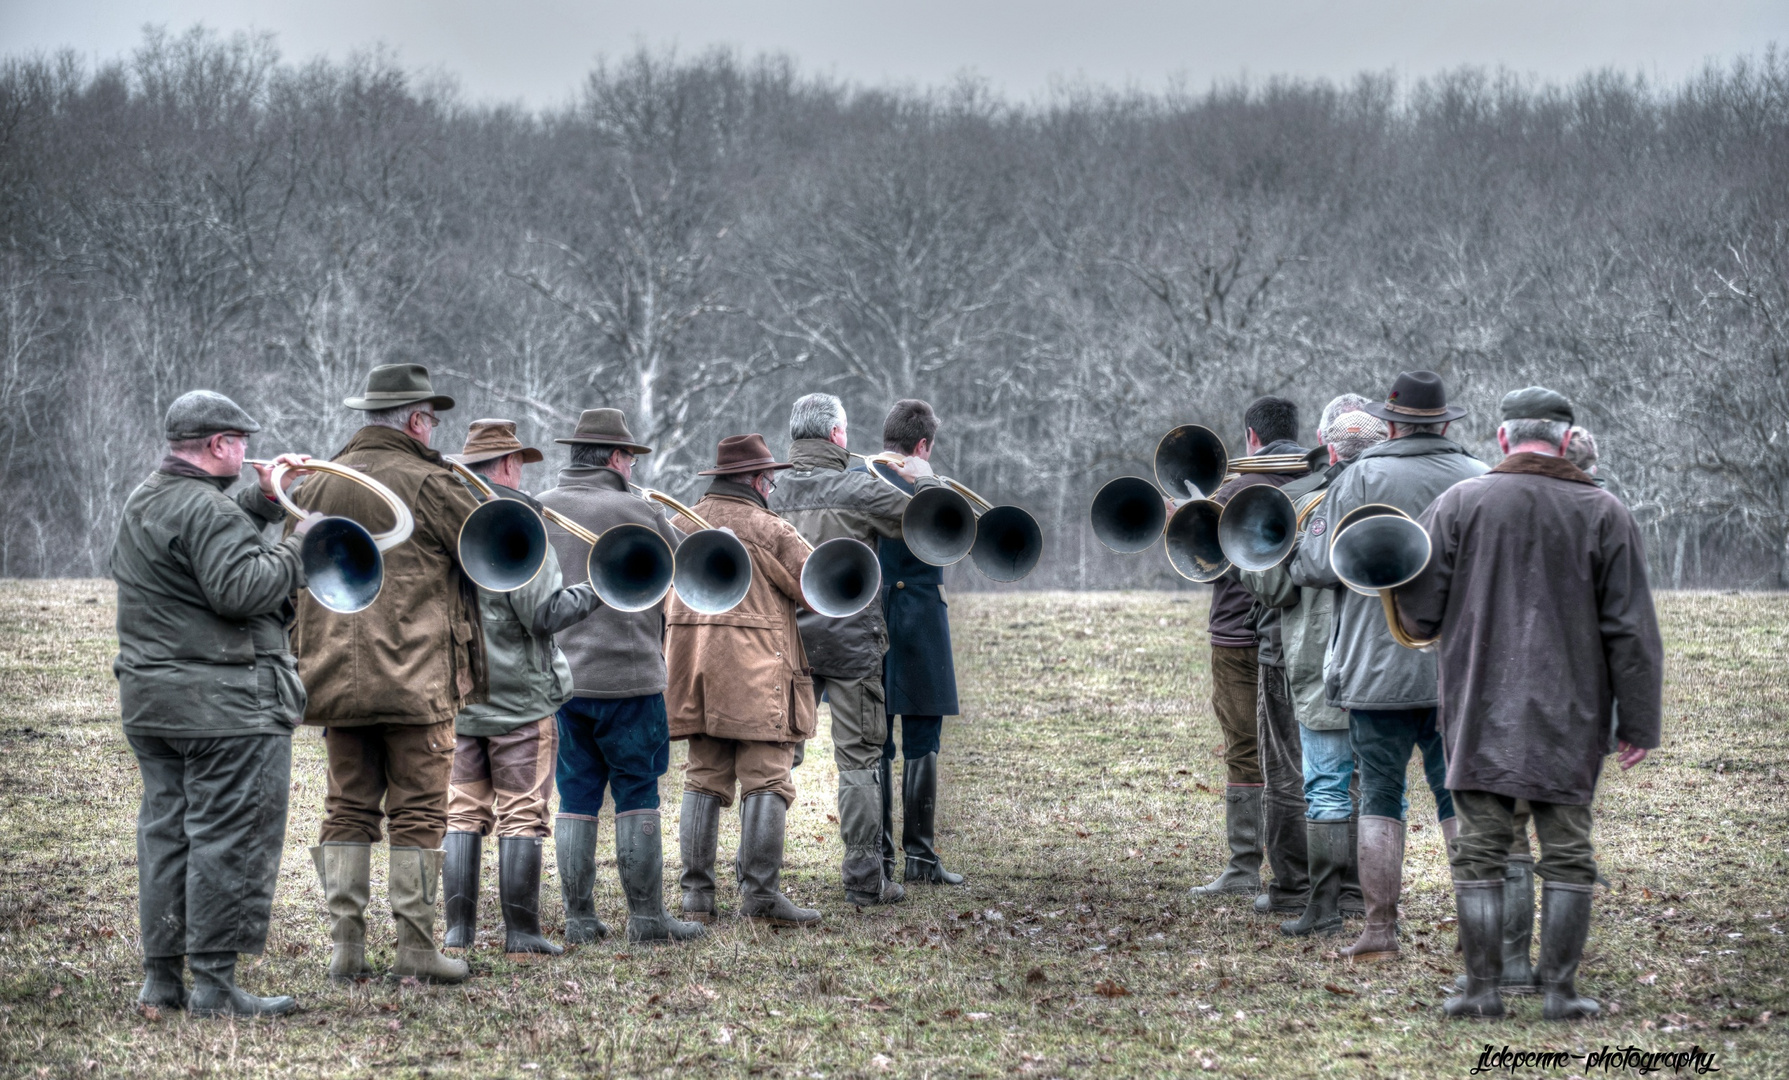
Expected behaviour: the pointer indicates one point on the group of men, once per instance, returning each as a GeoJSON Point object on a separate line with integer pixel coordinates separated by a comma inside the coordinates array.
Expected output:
{"type": "Point", "coordinates": [1544, 657]}
{"type": "Point", "coordinates": [450, 712]}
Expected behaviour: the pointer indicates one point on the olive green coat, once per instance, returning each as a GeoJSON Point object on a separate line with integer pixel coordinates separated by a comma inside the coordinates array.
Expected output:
{"type": "Point", "coordinates": [204, 600]}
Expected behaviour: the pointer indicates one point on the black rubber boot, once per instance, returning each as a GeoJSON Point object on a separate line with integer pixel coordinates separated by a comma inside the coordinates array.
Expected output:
{"type": "Point", "coordinates": [640, 858]}
{"type": "Point", "coordinates": [1480, 906]}
{"type": "Point", "coordinates": [919, 805]}
{"type": "Point", "coordinates": [862, 869]}
{"type": "Point", "coordinates": [1242, 829]}
{"type": "Point", "coordinates": [891, 855]}
{"type": "Point", "coordinates": [215, 992]}
{"type": "Point", "coordinates": [1518, 927]}
{"type": "Point", "coordinates": [698, 831]}
{"type": "Point", "coordinates": [1326, 847]}
{"type": "Point", "coordinates": [459, 883]}
{"type": "Point", "coordinates": [1565, 924]}
{"type": "Point", "coordinates": [761, 822]}
{"type": "Point", "coordinates": [1284, 833]}
{"type": "Point", "coordinates": [574, 848]}
{"type": "Point", "coordinates": [518, 888]}
{"type": "Point", "coordinates": [164, 983]}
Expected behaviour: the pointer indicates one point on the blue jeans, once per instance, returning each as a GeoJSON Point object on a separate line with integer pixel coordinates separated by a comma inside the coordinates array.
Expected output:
{"type": "Point", "coordinates": [623, 744]}
{"type": "Point", "coordinates": [920, 735]}
{"type": "Point", "coordinates": [1383, 741]}
{"type": "Point", "coordinates": [1328, 770]}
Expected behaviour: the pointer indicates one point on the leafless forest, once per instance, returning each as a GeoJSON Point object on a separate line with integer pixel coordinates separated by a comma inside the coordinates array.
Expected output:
{"type": "Point", "coordinates": [698, 240]}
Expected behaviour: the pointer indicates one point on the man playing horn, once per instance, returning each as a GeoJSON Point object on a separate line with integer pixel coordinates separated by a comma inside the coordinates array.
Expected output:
{"type": "Point", "coordinates": [1537, 589]}
{"type": "Point", "coordinates": [386, 683]}
{"type": "Point", "coordinates": [209, 697]}
{"type": "Point", "coordinates": [1388, 690]}
{"type": "Point", "coordinates": [825, 500]}
{"type": "Point", "coordinates": [613, 733]}
{"type": "Point", "coordinates": [505, 748]}
{"type": "Point", "coordinates": [741, 692]}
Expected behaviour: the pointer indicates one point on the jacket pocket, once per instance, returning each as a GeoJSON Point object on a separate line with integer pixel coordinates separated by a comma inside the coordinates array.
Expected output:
{"type": "Point", "coordinates": [803, 711]}
{"type": "Point", "coordinates": [281, 691]}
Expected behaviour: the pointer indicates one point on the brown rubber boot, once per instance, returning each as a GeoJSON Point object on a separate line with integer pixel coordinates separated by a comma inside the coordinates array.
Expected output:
{"type": "Point", "coordinates": [1381, 880]}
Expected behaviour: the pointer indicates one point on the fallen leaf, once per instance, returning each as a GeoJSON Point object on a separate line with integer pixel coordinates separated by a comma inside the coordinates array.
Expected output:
{"type": "Point", "coordinates": [1334, 989]}
{"type": "Point", "coordinates": [1036, 976]}
{"type": "Point", "coordinates": [57, 992]}
{"type": "Point", "coordinates": [1108, 989]}
{"type": "Point", "coordinates": [1202, 787]}
{"type": "Point", "coordinates": [834, 818]}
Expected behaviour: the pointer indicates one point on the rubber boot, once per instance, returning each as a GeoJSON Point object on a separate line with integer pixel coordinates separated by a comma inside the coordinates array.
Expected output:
{"type": "Point", "coordinates": [459, 877]}
{"type": "Point", "coordinates": [640, 858]}
{"type": "Point", "coordinates": [919, 803]}
{"type": "Point", "coordinates": [891, 862]}
{"type": "Point", "coordinates": [518, 890]}
{"type": "Point", "coordinates": [164, 983]}
{"type": "Point", "coordinates": [761, 819]}
{"type": "Point", "coordinates": [1565, 924]}
{"type": "Point", "coordinates": [1242, 827]}
{"type": "Point", "coordinates": [1518, 926]}
{"type": "Point", "coordinates": [1480, 906]}
{"type": "Point", "coordinates": [1326, 846]}
{"type": "Point", "coordinates": [346, 871]}
{"type": "Point", "coordinates": [859, 803]}
{"type": "Point", "coordinates": [698, 831]}
{"type": "Point", "coordinates": [1450, 829]}
{"type": "Point", "coordinates": [1353, 904]}
{"type": "Point", "coordinates": [1381, 880]}
{"type": "Point", "coordinates": [414, 880]}
{"type": "Point", "coordinates": [574, 847]}
{"type": "Point", "coordinates": [1285, 832]}
{"type": "Point", "coordinates": [215, 992]}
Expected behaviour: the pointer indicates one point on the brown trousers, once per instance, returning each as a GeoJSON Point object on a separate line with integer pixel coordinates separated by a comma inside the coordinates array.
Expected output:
{"type": "Point", "coordinates": [388, 772]}
{"type": "Point", "coordinates": [504, 782]}
{"type": "Point", "coordinates": [719, 766]}
{"type": "Point", "coordinates": [1234, 679]}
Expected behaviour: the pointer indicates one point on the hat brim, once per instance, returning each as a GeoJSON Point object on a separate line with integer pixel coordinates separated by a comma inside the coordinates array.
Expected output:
{"type": "Point", "coordinates": [579, 440]}
{"type": "Point", "coordinates": [765, 465]}
{"type": "Point", "coordinates": [1392, 416]}
{"type": "Point", "coordinates": [529, 456]}
{"type": "Point", "coordinates": [441, 402]}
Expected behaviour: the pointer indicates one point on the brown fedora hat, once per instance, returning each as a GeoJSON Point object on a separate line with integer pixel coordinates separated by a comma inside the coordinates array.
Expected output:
{"type": "Point", "coordinates": [490, 439]}
{"type": "Point", "coordinates": [743, 454]}
{"type": "Point", "coordinates": [391, 385]}
{"type": "Point", "coordinates": [1418, 397]}
{"type": "Point", "coordinates": [605, 427]}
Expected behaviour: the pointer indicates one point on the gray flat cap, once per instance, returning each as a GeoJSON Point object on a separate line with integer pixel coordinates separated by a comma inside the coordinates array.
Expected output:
{"type": "Point", "coordinates": [1537, 403]}
{"type": "Point", "coordinates": [199, 413]}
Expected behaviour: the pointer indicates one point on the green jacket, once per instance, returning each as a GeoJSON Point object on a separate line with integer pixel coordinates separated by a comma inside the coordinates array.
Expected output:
{"type": "Point", "coordinates": [1306, 615]}
{"type": "Point", "coordinates": [204, 601]}
{"type": "Point", "coordinates": [530, 676]}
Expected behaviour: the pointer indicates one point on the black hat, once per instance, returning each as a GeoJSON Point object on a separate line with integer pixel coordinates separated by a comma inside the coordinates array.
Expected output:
{"type": "Point", "coordinates": [1537, 403]}
{"type": "Point", "coordinates": [391, 385]}
{"type": "Point", "coordinates": [198, 414]}
{"type": "Point", "coordinates": [1418, 397]}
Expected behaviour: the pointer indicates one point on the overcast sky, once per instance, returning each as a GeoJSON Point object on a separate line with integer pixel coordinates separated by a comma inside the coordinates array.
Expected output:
{"type": "Point", "coordinates": [536, 51]}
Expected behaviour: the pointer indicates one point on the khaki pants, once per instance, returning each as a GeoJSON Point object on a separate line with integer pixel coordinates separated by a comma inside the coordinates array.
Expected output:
{"type": "Point", "coordinates": [1234, 679]}
{"type": "Point", "coordinates": [718, 767]}
{"type": "Point", "coordinates": [1490, 825]}
{"type": "Point", "coordinates": [504, 781]}
{"type": "Point", "coordinates": [381, 772]}
{"type": "Point", "coordinates": [859, 720]}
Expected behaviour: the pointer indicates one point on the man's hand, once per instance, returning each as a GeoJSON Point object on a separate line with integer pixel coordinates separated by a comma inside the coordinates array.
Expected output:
{"type": "Point", "coordinates": [912, 468]}
{"type": "Point", "coordinates": [264, 473]}
{"type": "Point", "coordinates": [1628, 755]}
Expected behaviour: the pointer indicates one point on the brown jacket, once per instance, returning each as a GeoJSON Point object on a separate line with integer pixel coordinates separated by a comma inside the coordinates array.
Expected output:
{"type": "Point", "coordinates": [416, 656]}
{"type": "Point", "coordinates": [743, 674]}
{"type": "Point", "coordinates": [1538, 590]}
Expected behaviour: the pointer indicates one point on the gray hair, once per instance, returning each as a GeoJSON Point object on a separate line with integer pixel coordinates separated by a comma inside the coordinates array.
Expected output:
{"type": "Point", "coordinates": [1541, 431]}
{"type": "Point", "coordinates": [396, 417]}
{"type": "Point", "coordinates": [591, 455]}
{"type": "Point", "coordinates": [1422, 429]}
{"type": "Point", "coordinates": [814, 416]}
{"type": "Point", "coordinates": [1582, 451]}
{"type": "Point", "coordinates": [490, 465]}
{"type": "Point", "coordinates": [1345, 403]}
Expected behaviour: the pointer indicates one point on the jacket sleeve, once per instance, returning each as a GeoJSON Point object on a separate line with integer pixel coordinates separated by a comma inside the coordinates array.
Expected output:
{"type": "Point", "coordinates": [1629, 624]}
{"type": "Point", "coordinates": [564, 609]}
{"type": "Point", "coordinates": [443, 503]}
{"type": "Point", "coordinates": [240, 575]}
{"type": "Point", "coordinates": [886, 506]}
{"type": "Point", "coordinates": [1422, 604]}
{"type": "Point", "coordinates": [781, 561]}
{"type": "Point", "coordinates": [1272, 587]}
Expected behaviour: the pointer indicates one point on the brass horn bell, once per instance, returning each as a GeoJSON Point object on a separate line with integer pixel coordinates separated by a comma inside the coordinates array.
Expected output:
{"type": "Point", "coordinates": [1378, 547]}
{"type": "Point", "coordinates": [841, 577]}
{"type": "Point", "coordinates": [1258, 527]}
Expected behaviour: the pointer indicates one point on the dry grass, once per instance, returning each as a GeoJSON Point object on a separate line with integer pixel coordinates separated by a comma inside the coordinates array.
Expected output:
{"type": "Point", "coordinates": [1082, 797]}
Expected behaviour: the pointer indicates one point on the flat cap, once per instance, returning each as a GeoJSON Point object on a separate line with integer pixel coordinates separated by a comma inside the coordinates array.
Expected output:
{"type": "Point", "coordinates": [1537, 403]}
{"type": "Point", "coordinates": [201, 413]}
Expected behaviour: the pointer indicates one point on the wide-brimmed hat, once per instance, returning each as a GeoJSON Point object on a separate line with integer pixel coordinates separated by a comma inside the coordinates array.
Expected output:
{"type": "Point", "coordinates": [490, 439]}
{"type": "Point", "coordinates": [605, 427]}
{"type": "Point", "coordinates": [743, 454]}
{"type": "Point", "coordinates": [391, 385]}
{"type": "Point", "coordinates": [1418, 397]}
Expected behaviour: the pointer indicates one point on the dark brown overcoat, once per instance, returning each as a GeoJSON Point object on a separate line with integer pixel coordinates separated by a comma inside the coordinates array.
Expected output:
{"type": "Point", "coordinates": [1537, 588]}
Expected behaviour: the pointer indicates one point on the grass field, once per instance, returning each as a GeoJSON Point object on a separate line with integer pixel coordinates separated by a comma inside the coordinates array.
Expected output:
{"type": "Point", "coordinates": [1082, 796]}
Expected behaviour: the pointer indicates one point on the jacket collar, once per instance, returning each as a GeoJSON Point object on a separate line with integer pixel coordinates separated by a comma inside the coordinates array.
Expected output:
{"type": "Point", "coordinates": [377, 437]}
{"type": "Point", "coordinates": [1280, 446]}
{"type": "Point", "coordinates": [600, 477]}
{"type": "Point", "coordinates": [733, 489]}
{"type": "Point", "coordinates": [174, 466]}
{"type": "Point", "coordinates": [818, 455]}
{"type": "Point", "coordinates": [1542, 465]}
{"type": "Point", "coordinates": [1421, 444]}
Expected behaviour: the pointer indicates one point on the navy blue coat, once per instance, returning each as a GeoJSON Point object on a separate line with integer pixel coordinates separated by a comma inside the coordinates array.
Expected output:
{"type": "Point", "coordinates": [918, 674]}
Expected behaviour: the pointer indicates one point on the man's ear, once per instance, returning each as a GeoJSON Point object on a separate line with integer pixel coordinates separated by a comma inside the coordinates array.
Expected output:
{"type": "Point", "coordinates": [1503, 441]}
{"type": "Point", "coordinates": [1565, 442]}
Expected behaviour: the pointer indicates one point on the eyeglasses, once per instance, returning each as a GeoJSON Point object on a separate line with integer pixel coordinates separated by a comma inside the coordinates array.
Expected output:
{"type": "Point", "coordinates": [434, 421]}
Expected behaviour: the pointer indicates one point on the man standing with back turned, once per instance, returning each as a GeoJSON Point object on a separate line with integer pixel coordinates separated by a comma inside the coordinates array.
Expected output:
{"type": "Point", "coordinates": [1537, 589]}
{"type": "Point", "coordinates": [209, 695]}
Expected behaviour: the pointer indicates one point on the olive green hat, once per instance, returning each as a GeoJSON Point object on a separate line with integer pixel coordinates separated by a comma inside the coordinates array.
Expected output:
{"type": "Point", "coordinates": [1537, 403]}
{"type": "Point", "coordinates": [391, 385]}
